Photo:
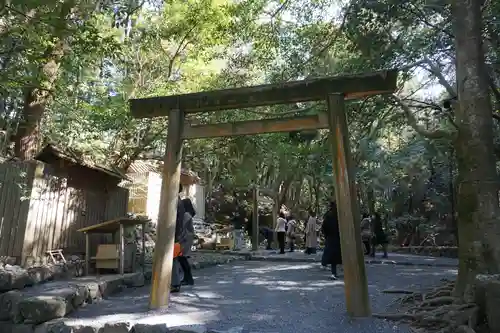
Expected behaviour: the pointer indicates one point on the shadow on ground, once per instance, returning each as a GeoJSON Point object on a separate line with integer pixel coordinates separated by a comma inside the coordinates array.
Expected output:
{"type": "Point", "coordinates": [267, 297]}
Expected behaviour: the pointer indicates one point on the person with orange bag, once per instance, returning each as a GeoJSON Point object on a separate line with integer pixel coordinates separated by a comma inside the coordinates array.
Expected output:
{"type": "Point", "coordinates": [177, 273]}
{"type": "Point", "coordinates": [177, 250]}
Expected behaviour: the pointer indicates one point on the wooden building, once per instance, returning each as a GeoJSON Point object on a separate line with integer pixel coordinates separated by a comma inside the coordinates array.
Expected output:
{"type": "Point", "coordinates": [145, 189]}
{"type": "Point", "coordinates": [44, 201]}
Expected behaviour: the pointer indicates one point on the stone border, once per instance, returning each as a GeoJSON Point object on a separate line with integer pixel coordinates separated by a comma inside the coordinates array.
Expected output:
{"type": "Point", "coordinates": [13, 277]}
{"type": "Point", "coordinates": [430, 251]}
{"type": "Point", "coordinates": [200, 265]}
{"type": "Point", "coordinates": [371, 261]}
{"type": "Point", "coordinates": [20, 311]}
{"type": "Point", "coordinates": [79, 294]}
{"type": "Point", "coordinates": [122, 327]}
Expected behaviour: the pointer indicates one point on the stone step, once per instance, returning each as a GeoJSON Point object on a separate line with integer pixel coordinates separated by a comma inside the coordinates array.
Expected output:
{"type": "Point", "coordinates": [153, 322]}
{"type": "Point", "coordinates": [13, 277]}
{"type": "Point", "coordinates": [22, 310]}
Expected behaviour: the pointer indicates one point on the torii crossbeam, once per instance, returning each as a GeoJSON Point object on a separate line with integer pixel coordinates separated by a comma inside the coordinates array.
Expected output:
{"type": "Point", "coordinates": [335, 90]}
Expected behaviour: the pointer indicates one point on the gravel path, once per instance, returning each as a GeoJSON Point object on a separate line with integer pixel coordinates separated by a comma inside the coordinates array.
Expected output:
{"type": "Point", "coordinates": [403, 259]}
{"type": "Point", "coordinates": [265, 297]}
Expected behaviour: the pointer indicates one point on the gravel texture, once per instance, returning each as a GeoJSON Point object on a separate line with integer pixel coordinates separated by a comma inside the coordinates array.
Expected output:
{"type": "Point", "coordinates": [400, 259]}
{"type": "Point", "coordinates": [259, 296]}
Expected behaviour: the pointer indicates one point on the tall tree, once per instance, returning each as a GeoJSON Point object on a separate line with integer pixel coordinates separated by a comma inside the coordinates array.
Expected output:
{"type": "Point", "coordinates": [478, 205]}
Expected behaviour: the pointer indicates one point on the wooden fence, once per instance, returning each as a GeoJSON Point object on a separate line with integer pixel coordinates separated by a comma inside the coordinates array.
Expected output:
{"type": "Point", "coordinates": [39, 210]}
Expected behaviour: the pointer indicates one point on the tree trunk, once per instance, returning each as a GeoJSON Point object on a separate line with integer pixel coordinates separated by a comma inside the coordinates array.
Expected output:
{"type": "Point", "coordinates": [451, 189]}
{"type": "Point", "coordinates": [36, 99]}
{"type": "Point", "coordinates": [477, 197]}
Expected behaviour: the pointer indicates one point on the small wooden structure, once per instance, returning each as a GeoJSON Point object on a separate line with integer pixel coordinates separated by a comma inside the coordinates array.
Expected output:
{"type": "Point", "coordinates": [106, 255]}
{"type": "Point", "coordinates": [145, 189]}
{"type": "Point", "coordinates": [333, 90]}
{"type": "Point", "coordinates": [44, 202]}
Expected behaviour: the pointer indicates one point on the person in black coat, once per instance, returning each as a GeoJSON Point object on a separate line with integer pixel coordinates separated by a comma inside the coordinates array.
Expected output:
{"type": "Point", "coordinates": [379, 235]}
{"type": "Point", "coordinates": [186, 241]}
{"type": "Point", "coordinates": [332, 254]}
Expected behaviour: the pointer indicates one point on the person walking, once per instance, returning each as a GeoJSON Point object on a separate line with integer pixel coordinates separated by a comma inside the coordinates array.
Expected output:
{"type": "Point", "coordinates": [186, 241]}
{"type": "Point", "coordinates": [311, 233]}
{"type": "Point", "coordinates": [379, 235]}
{"type": "Point", "coordinates": [366, 233]}
{"type": "Point", "coordinates": [280, 231]}
{"type": "Point", "coordinates": [290, 233]}
{"type": "Point", "coordinates": [177, 272]}
{"type": "Point", "coordinates": [332, 254]}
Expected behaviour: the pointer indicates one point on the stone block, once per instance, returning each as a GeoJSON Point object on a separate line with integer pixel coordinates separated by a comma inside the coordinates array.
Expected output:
{"type": "Point", "coordinates": [9, 305]}
{"type": "Point", "coordinates": [116, 328]}
{"type": "Point", "coordinates": [13, 277]}
{"type": "Point", "coordinates": [40, 274]}
{"type": "Point", "coordinates": [492, 298]}
{"type": "Point", "coordinates": [8, 327]}
{"type": "Point", "coordinates": [59, 326]}
{"type": "Point", "coordinates": [82, 295]}
{"type": "Point", "coordinates": [94, 291]}
{"type": "Point", "coordinates": [146, 328]}
{"type": "Point", "coordinates": [189, 329]}
{"type": "Point", "coordinates": [110, 287]}
{"type": "Point", "coordinates": [39, 309]}
{"type": "Point", "coordinates": [134, 280]}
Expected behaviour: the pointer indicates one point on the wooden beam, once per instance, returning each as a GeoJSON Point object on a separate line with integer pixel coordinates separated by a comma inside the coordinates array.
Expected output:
{"type": "Point", "coordinates": [356, 285]}
{"type": "Point", "coordinates": [164, 247]}
{"type": "Point", "coordinates": [250, 127]}
{"type": "Point", "coordinates": [353, 86]}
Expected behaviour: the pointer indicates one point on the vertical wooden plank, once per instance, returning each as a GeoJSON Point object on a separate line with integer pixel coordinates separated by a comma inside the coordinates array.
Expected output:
{"type": "Point", "coordinates": [24, 213]}
{"type": "Point", "coordinates": [43, 231]}
{"type": "Point", "coordinates": [87, 254]}
{"type": "Point", "coordinates": [4, 187]}
{"type": "Point", "coordinates": [14, 197]}
{"type": "Point", "coordinates": [22, 186]}
{"type": "Point", "coordinates": [71, 216]}
{"type": "Point", "coordinates": [356, 286]}
{"type": "Point", "coordinates": [164, 248]}
{"type": "Point", "coordinates": [36, 201]}
{"type": "Point", "coordinates": [255, 219]}
{"type": "Point", "coordinates": [63, 214]}
{"type": "Point", "coordinates": [122, 250]}
{"type": "Point", "coordinates": [8, 190]}
{"type": "Point", "coordinates": [143, 253]}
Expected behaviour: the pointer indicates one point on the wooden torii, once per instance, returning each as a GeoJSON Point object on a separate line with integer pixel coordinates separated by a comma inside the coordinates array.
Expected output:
{"type": "Point", "coordinates": [335, 90]}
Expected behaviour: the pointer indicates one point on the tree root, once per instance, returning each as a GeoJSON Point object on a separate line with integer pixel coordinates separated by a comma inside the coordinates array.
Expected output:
{"type": "Point", "coordinates": [398, 291]}
{"type": "Point", "coordinates": [436, 310]}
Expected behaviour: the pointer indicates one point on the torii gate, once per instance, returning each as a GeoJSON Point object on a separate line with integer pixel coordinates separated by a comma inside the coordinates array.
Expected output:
{"type": "Point", "coordinates": [335, 90]}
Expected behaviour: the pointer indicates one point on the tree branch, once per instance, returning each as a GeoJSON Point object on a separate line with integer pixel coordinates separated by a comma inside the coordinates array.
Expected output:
{"type": "Point", "coordinates": [436, 71]}
{"type": "Point", "coordinates": [412, 121]}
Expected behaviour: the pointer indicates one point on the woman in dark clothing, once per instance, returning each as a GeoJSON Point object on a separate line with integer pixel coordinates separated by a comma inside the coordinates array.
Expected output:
{"type": "Point", "coordinates": [332, 254]}
{"type": "Point", "coordinates": [379, 236]}
{"type": "Point", "coordinates": [187, 240]}
{"type": "Point", "coordinates": [366, 233]}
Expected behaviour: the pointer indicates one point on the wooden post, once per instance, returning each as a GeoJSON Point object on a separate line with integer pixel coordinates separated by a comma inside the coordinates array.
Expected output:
{"type": "Point", "coordinates": [356, 286]}
{"type": "Point", "coordinates": [143, 253]}
{"type": "Point", "coordinates": [164, 248]}
{"type": "Point", "coordinates": [255, 220]}
{"type": "Point", "coordinates": [122, 249]}
{"type": "Point", "coordinates": [87, 254]}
